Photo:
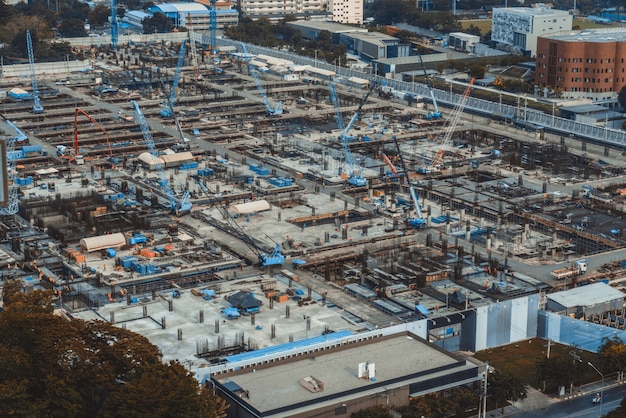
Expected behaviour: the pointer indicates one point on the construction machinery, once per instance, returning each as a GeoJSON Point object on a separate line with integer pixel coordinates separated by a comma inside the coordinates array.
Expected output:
{"type": "Point", "coordinates": [213, 28]}
{"type": "Point", "coordinates": [357, 113]}
{"type": "Point", "coordinates": [192, 48]}
{"type": "Point", "coordinates": [418, 220]}
{"type": "Point", "coordinates": [114, 26]}
{"type": "Point", "coordinates": [354, 176]}
{"type": "Point", "coordinates": [167, 110]}
{"type": "Point", "coordinates": [13, 196]}
{"type": "Point", "coordinates": [184, 144]}
{"type": "Point", "coordinates": [435, 114]}
{"type": "Point", "coordinates": [275, 258]}
{"type": "Point", "coordinates": [37, 108]}
{"type": "Point", "coordinates": [271, 111]}
{"type": "Point", "coordinates": [447, 131]}
{"type": "Point", "coordinates": [74, 156]}
{"type": "Point", "coordinates": [178, 206]}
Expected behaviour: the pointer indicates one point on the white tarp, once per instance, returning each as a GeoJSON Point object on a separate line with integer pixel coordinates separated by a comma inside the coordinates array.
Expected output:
{"type": "Point", "coordinates": [250, 207]}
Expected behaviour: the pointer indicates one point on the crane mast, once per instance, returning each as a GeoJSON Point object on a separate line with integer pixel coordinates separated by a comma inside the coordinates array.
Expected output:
{"type": "Point", "coordinates": [271, 111]}
{"type": "Point", "coordinates": [167, 110]}
{"type": "Point", "coordinates": [437, 113]}
{"type": "Point", "coordinates": [418, 221]}
{"type": "Point", "coordinates": [13, 199]}
{"type": "Point", "coordinates": [354, 177]}
{"type": "Point", "coordinates": [37, 108]}
{"type": "Point", "coordinates": [177, 206]}
{"type": "Point", "coordinates": [114, 27]}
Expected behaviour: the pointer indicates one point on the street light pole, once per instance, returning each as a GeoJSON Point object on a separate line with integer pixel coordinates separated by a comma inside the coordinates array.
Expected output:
{"type": "Point", "coordinates": [601, 387]}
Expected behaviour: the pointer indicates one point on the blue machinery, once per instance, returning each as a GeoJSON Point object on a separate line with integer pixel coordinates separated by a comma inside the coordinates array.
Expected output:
{"type": "Point", "coordinates": [355, 177]}
{"type": "Point", "coordinates": [13, 205]}
{"type": "Point", "coordinates": [168, 105]}
{"type": "Point", "coordinates": [213, 28]}
{"type": "Point", "coordinates": [114, 28]}
{"type": "Point", "coordinates": [436, 114]}
{"type": "Point", "coordinates": [418, 221]}
{"type": "Point", "coordinates": [271, 111]}
{"type": "Point", "coordinates": [37, 108]}
{"type": "Point", "coordinates": [177, 206]}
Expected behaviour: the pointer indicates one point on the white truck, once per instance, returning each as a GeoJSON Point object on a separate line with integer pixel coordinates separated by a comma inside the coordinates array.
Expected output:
{"type": "Point", "coordinates": [576, 269]}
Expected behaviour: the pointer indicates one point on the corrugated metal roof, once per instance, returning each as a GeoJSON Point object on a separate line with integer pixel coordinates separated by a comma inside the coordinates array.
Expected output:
{"type": "Point", "coordinates": [178, 157]}
{"type": "Point", "coordinates": [180, 7]}
{"type": "Point", "coordinates": [102, 242]}
{"type": "Point", "coordinates": [250, 207]}
{"type": "Point", "coordinates": [586, 295]}
{"type": "Point", "coordinates": [149, 159]}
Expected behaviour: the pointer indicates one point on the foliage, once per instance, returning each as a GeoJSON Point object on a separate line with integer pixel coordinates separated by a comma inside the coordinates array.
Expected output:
{"type": "Point", "coordinates": [99, 15]}
{"type": "Point", "coordinates": [378, 411]}
{"type": "Point", "coordinates": [72, 28]}
{"type": "Point", "coordinates": [57, 368]}
{"type": "Point", "coordinates": [503, 386]}
{"type": "Point", "coordinates": [263, 32]}
{"type": "Point", "coordinates": [477, 70]}
{"type": "Point", "coordinates": [158, 23]}
{"type": "Point", "coordinates": [621, 97]}
{"type": "Point", "coordinates": [440, 21]}
{"type": "Point", "coordinates": [613, 355]}
{"type": "Point", "coordinates": [559, 371]}
{"type": "Point", "coordinates": [473, 30]}
{"type": "Point", "coordinates": [388, 12]}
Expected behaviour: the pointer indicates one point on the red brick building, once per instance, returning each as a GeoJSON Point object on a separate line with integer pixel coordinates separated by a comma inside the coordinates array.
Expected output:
{"type": "Point", "coordinates": [587, 64]}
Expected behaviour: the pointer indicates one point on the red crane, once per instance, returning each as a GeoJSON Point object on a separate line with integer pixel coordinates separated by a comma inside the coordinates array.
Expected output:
{"type": "Point", "coordinates": [78, 112]}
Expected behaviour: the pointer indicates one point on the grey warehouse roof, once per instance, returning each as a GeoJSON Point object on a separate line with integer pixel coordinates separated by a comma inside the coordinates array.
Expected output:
{"type": "Point", "coordinates": [586, 295]}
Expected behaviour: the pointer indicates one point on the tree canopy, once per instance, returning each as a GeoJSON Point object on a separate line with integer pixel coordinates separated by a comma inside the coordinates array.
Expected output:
{"type": "Point", "coordinates": [621, 97]}
{"type": "Point", "coordinates": [50, 366]}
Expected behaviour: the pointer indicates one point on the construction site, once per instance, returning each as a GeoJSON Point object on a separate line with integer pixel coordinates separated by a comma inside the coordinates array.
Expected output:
{"type": "Point", "coordinates": [221, 201]}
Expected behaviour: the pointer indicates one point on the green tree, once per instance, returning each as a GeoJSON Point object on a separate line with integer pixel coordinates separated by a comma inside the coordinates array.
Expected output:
{"type": "Point", "coordinates": [477, 70]}
{"type": "Point", "coordinates": [504, 387]}
{"type": "Point", "coordinates": [158, 23]}
{"type": "Point", "coordinates": [613, 354]}
{"type": "Point", "coordinates": [57, 368]}
{"type": "Point", "coordinates": [378, 411]}
{"type": "Point", "coordinates": [99, 15]}
{"type": "Point", "coordinates": [72, 28]}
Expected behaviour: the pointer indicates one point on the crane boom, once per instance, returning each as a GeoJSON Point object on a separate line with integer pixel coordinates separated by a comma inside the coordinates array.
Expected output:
{"type": "Point", "coordinates": [354, 178]}
{"type": "Point", "coordinates": [271, 111]}
{"type": "Point", "coordinates": [78, 112]}
{"type": "Point", "coordinates": [437, 113]}
{"type": "Point", "coordinates": [213, 27]}
{"type": "Point", "coordinates": [37, 108]}
{"type": "Point", "coordinates": [418, 221]}
{"type": "Point", "coordinates": [178, 206]}
{"type": "Point", "coordinates": [358, 109]}
{"type": "Point", "coordinates": [168, 106]}
{"type": "Point", "coordinates": [114, 26]}
{"type": "Point", "coordinates": [449, 128]}
{"type": "Point", "coordinates": [13, 196]}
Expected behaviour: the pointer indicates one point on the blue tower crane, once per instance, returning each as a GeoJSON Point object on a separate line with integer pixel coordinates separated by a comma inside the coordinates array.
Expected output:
{"type": "Point", "coordinates": [354, 178]}
{"type": "Point", "coordinates": [37, 108]}
{"type": "Point", "coordinates": [213, 27]}
{"type": "Point", "coordinates": [418, 221]}
{"type": "Point", "coordinates": [13, 201]}
{"type": "Point", "coordinates": [178, 206]}
{"type": "Point", "coordinates": [436, 114]}
{"type": "Point", "coordinates": [271, 111]}
{"type": "Point", "coordinates": [168, 106]}
{"type": "Point", "coordinates": [114, 27]}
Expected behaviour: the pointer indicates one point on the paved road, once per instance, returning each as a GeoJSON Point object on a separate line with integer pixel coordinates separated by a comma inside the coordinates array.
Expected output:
{"type": "Point", "coordinates": [577, 407]}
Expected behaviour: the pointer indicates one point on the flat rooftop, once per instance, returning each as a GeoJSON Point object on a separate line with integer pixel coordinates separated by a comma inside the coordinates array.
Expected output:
{"type": "Point", "coordinates": [399, 360]}
{"type": "Point", "coordinates": [588, 35]}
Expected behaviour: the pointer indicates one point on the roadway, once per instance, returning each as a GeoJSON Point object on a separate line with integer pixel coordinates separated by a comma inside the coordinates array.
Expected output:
{"type": "Point", "coordinates": [579, 406]}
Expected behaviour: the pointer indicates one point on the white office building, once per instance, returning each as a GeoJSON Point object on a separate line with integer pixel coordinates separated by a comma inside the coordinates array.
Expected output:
{"type": "Point", "coordinates": [519, 27]}
{"type": "Point", "coordinates": [277, 9]}
{"type": "Point", "coordinates": [347, 11]}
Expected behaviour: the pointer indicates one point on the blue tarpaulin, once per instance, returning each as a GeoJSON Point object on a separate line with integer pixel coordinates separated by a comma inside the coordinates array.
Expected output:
{"type": "Point", "coordinates": [421, 309]}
